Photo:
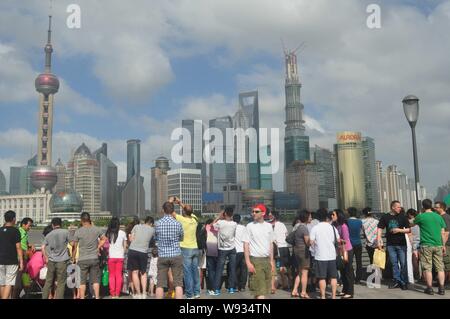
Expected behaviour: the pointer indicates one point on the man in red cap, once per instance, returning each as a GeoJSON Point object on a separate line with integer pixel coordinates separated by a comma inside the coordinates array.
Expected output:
{"type": "Point", "coordinates": [258, 251]}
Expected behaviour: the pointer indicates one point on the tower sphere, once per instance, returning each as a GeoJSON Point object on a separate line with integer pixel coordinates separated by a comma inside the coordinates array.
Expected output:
{"type": "Point", "coordinates": [47, 83]}
{"type": "Point", "coordinates": [44, 177]}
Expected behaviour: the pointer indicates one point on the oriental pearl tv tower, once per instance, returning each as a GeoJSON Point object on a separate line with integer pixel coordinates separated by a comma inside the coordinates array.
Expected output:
{"type": "Point", "coordinates": [44, 177]}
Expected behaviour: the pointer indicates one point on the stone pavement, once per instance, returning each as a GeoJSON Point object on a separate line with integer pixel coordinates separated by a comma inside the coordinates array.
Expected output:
{"type": "Point", "coordinates": [361, 292]}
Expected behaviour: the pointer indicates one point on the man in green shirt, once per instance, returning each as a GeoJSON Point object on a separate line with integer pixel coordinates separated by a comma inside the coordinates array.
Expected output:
{"type": "Point", "coordinates": [25, 226]}
{"type": "Point", "coordinates": [432, 242]}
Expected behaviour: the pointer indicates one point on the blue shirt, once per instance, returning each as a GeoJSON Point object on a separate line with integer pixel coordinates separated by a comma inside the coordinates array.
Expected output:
{"type": "Point", "coordinates": [354, 227]}
{"type": "Point", "coordinates": [168, 234]}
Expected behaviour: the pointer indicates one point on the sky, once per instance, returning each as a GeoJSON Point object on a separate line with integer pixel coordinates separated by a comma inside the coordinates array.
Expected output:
{"type": "Point", "coordinates": [135, 69]}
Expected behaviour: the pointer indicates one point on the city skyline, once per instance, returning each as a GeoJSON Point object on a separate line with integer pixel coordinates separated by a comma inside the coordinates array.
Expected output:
{"type": "Point", "coordinates": [340, 89]}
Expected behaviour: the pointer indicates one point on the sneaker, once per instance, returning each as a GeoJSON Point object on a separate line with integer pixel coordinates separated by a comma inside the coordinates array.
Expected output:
{"type": "Point", "coordinates": [429, 291]}
{"type": "Point", "coordinates": [217, 293]}
{"type": "Point", "coordinates": [143, 296]}
{"type": "Point", "coordinates": [197, 296]}
{"type": "Point", "coordinates": [189, 297]}
{"type": "Point", "coordinates": [441, 291]}
{"type": "Point", "coordinates": [404, 286]}
{"type": "Point", "coordinates": [211, 292]}
{"type": "Point", "coordinates": [394, 285]}
{"type": "Point", "coordinates": [231, 291]}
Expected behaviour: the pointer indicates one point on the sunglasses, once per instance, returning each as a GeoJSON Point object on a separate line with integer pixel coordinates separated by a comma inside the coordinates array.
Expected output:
{"type": "Point", "coordinates": [257, 211]}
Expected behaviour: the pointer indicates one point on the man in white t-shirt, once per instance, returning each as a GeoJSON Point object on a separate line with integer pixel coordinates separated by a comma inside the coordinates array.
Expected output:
{"type": "Point", "coordinates": [258, 250]}
{"type": "Point", "coordinates": [282, 255]}
{"type": "Point", "coordinates": [241, 267]}
{"type": "Point", "coordinates": [323, 237]}
{"type": "Point", "coordinates": [226, 229]}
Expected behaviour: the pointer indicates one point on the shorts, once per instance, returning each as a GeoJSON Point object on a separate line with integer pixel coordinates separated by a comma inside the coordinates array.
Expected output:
{"type": "Point", "coordinates": [8, 275]}
{"type": "Point", "coordinates": [91, 267]}
{"type": "Point", "coordinates": [447, 259]}
{"type": "Point", "coordinates": [261, 281]}
{"type": "Point", "coordinates": [166, 263]}
{"type": "Point", "coordinates": [137, 261]}
{"type": "Point", "coordinates": [284, 256]}
{"type": "Point", "coordinates": [325, 269]}
{"type": "Point", "coordinates": [302, 259]}
{"type": "Point", "coordinates": [432, 256]}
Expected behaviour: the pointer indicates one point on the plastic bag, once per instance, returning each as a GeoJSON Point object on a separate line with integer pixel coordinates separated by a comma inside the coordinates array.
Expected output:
{"type": "Point", "coordinates": [43, 273]}
{"type": "Point", "coordinates": [105, 276]}
{"type": "Point", "coordinates": [379, 258]}
{"type": "Point", "coordinates": [26, 280]}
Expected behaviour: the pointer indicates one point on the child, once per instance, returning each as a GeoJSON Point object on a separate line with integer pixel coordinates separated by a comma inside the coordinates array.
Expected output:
{"type": "Point", "coordinates": [153, 271]}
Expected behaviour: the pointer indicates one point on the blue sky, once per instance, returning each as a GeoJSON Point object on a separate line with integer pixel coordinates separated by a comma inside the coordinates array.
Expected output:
{"type": "Point", "coordinates": [135, 70]}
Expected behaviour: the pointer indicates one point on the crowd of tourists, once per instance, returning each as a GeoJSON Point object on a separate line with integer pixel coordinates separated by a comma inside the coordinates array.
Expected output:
{"type": "Point", "coordinates": [180, 257]}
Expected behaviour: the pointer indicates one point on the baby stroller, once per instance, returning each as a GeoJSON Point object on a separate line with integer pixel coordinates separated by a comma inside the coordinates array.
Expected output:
{"type": "Point", "coordinates": [33, 279]}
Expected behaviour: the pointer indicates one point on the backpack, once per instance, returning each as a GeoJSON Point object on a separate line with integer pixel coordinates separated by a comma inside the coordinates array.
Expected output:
{"type": "Point", "coordinates": [201, 236]}
{"type": "Point", "coordinates": [290, 239]}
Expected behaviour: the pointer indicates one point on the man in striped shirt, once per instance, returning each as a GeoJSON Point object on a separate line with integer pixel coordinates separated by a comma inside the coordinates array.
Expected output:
{"type": "Point", "coordinates": [169, 234]}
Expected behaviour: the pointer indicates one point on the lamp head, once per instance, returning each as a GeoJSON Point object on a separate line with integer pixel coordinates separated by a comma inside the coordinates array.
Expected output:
{"type": "Point", "coordinates": [411, 109]}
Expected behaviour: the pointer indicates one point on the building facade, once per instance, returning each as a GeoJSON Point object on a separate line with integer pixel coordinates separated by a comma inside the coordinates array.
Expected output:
{"type": "Point", "coordinates": [324, 161]}
{"type": "Point", "coordinates": [370, 174]}
{"type": "Point", "coordinates": [83, 177]}
{"type": "Point", "coordinates": [159, 187]}
{"type": "Point", "coordinates": [35, 206]}
{"type": "Point", "coordinates": [232, 196]}
{"type": "Point", "coordinates": [108, 181]}
{"type": "Point", "coordinates": [223, 170]}
{"type": "Point", "coordinates": [133, 194]}
{"type": "Point", "coordinates": [186, 184]}
{"type": "Point", "coordinates": [296, 143]}
{"type": "Point", "coordinates": [302, 178]}
{"type": "Point", "coordinates": [350, 170]}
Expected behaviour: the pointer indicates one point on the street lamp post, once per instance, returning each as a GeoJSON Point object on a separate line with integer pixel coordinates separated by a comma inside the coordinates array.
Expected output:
{"type": "Point", "coordinates": [411, 109]}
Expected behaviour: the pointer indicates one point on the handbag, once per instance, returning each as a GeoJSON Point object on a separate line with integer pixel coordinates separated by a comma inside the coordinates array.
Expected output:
{"type": "Point", "coordinates": [339, 259]}
{"type": "Point", "coordinates": [379, 258]}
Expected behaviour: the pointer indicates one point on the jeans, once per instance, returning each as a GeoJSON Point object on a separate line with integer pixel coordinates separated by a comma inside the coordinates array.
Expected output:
{"type": "Point", "coordinates": [223, 254]}
{"type": "Point", "coordinates": [357, 251]}
{"type": "Point", "coordinates": [397, 254]}
{"type": "Point", "coordinates": [241, 271]}
{"type": "Point", "coordinates": [211, 265]}
{"type": "Point", "coordinates": [56, 271]}
{"type": "Point", "coordinates": [115, 267]}
{"type": "Point", "coordinates": [190, 270]}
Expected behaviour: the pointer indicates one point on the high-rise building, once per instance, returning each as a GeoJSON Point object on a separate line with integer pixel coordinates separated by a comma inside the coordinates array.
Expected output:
{"type": "Point", "coordinates": [83, 177]}
{"type": "Point", "coordinates": [186, 184]}
{"type": "Point", "coordinates": [266, 174]}
{"type": "Point", "coordinates": [222, 171]}
{"type": "Point", "coordinates": [383, 196]}
{"type": "Point", "coordinates": [296, 144]}
{"type": "Point", "coordinates": [370, 174]}
{"type": "Point", "coordinates": [108, 181]}
{"type": "Point", "coordinates": [248, 102]}
{"type": "Point", "coordinates": [20, 178]}
{"type": "Point", "coordinates": [232, 196]}
{"type": "Point", "coordinates": [61, 181]}
{"type": "Point", "coordinates": [133, 195]}
{"type": "Point", "coordinates": [350, 170]}
{"type": "Point", "coordinates": [195, 146]}
{"type": "Point", "coordinates": [159, 187]}
{"type": "Point", "coordinates": [2, 183]}
{"type": "Point", "coordinates": [324, 160]}
{"type": "Point", "coordinates": [302, 178]}
{"type": "Point", "coordinates": [248, 167]}
{"type": "Point", "coordinates": [44, 177]}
